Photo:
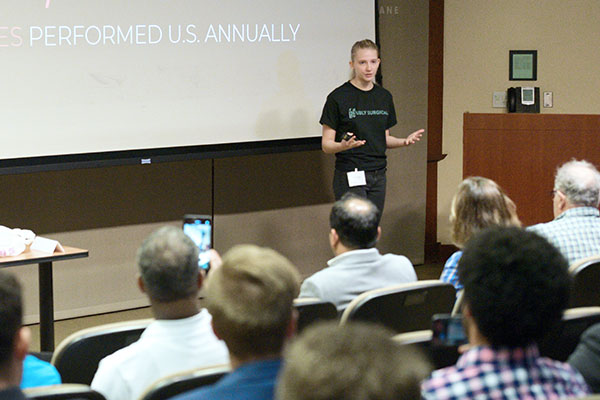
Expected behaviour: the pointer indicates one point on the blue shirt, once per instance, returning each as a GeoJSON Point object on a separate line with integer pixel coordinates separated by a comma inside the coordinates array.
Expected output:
{"type": "Point", "coordinates": [450, 271]}
{"type": "Point", "coordinates": [38, 373]}
{"type": "Point", "coordinates": [251, 381]}
{"type": "Point", "coordinates": [575, 233]}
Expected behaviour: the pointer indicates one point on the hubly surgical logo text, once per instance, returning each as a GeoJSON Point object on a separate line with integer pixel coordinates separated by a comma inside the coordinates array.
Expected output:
{"type": "Point", "coordinates": [353, 112]}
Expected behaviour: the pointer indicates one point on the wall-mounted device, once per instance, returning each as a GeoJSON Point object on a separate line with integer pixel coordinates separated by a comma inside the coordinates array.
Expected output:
{"type": "Point", "coordinates": [523, 99]}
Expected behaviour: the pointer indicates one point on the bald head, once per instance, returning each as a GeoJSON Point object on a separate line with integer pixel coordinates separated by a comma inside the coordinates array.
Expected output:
{"type": "Point", "coordinates": [579, 181]}
{"type": "Point", "coordinates": [355, 219]}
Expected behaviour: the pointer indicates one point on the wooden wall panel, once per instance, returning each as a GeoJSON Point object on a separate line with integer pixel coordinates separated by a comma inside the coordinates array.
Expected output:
{"type": "Point", "coordinates": [63, 201]}
{"type": "Point", "coordinates": [522, 151]}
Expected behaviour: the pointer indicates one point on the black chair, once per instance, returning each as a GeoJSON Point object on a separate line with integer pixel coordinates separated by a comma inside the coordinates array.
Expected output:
{"type": "Point", "coordinates": [586, 282]}
{"type": "Point", "coordinates": [76, 357]}
{"type": "Point", "coordinates": [185, 381]}
{"type": "Point", "coordinates": [68, 391]}
{"type": "Point", "coordinates": [561, 341]}
{"type": "Point", "coordinates": [312, 309]}
{"type": "Point", "coordinates": [403, 308]}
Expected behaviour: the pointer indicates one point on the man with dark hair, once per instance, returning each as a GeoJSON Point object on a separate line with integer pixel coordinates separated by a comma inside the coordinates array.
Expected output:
{"type": "Point", "coordinates": [357, 266]}
{"type": "Point", "coordinates": [181, 338]}
{"type": "Point", "coordinates": [14, 338]}
{"type": "Point", "coordinates": [356, 361]}
{"type": "Point", "coordinates": [575, 230]}
{"type": "Point", "coordinates": [516, 287]}
{"type": "Point", "coordinates": [250, 297]}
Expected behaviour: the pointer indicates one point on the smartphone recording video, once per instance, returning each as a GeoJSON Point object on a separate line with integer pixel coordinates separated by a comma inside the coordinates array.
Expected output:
{"type": "Point", "coordinates": [448, 330]}
{"type": "Point", "coordinates": [199, 229]}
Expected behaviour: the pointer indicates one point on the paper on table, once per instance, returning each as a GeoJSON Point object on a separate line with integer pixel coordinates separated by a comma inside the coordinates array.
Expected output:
{"type": "Point", "coordinates": [46, 245]}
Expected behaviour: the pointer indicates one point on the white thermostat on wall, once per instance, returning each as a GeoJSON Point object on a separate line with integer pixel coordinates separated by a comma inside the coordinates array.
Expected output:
{"type": "Point", "coordinates": [527, 96]}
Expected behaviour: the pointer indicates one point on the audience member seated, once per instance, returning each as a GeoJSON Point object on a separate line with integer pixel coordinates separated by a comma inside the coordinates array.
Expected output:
{"type": "Point", "coordinates": [586, 357]}
{"type": "Point", "coordinates": [575, 230]}
{"type": "Point", "coordinates": [250, 297]}
{"type": "Point", "coordinates": [181, 338]}
{"type": "Point", "coordinates": [38, 372]}
{"type": "Point", "coordinates": [516, 287]}
{"type": "Point", "coordinates": [350, 362]}
{"type": "Point", "coordinates": [479, 203]}
{"type": "Point", "coordinates": [14, 338]}
{"type": "Point", "coordinates": [357, 266]}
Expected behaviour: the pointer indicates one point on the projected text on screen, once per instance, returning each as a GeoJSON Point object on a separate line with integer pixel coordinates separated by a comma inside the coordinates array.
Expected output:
{"type": "Point", "coordinates": [86, 76]}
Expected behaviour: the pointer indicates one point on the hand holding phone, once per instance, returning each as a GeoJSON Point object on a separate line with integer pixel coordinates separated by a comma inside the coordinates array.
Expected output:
{"type": "Point", "coordinates": [215, 259]}
{"type": "Point", "coordinates": [349, 141]}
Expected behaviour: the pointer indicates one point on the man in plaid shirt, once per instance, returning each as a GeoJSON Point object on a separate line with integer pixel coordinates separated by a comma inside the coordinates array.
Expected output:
{"type": "Point", "coordinates": [515, 288]}
{"type": "Point", "coordinates": [575, 230]}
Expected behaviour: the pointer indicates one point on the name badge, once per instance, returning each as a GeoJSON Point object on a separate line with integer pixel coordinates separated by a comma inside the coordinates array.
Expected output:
{"type": "Point", "coordinates": [356, 178]}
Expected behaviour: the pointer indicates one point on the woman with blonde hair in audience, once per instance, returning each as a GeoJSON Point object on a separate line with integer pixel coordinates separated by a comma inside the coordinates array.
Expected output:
{"type": "Point", "coordinates": [478, 204]}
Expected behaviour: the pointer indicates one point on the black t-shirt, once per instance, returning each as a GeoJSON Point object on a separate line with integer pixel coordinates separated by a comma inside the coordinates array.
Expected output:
{"type": "Point", "coordinates": [367, 114]}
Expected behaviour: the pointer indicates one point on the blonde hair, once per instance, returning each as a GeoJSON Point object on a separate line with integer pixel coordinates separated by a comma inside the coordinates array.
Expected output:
{"type": "Point", "coordinates": [363, 44]}
{"type": "Point", "coordinates": [352, 362]}
{"type": "Point", "coordinates": [250, 298]}
{"type": "Point", "coordinates": [478, 204]}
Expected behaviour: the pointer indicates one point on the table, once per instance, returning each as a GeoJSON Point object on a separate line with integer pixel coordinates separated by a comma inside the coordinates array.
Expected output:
{"type": "Point", "coordinates": [44, 261]}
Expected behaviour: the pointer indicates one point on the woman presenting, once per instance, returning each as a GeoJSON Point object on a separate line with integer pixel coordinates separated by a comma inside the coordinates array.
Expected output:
{"type": "Point", "coordinates": [356, 120]}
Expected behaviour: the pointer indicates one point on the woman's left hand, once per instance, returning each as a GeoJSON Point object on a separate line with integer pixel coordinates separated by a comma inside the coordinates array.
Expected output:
{"type": "Point", "coordinates": [414, 137]}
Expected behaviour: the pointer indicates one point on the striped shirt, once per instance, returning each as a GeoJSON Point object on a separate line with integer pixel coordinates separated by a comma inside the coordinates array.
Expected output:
{"type": "Point", "coordinates": [450, 271]}
{"type": "Point", "coordinates": [503, 373]}
{"type": "Point", "coordinates": [575, 232]}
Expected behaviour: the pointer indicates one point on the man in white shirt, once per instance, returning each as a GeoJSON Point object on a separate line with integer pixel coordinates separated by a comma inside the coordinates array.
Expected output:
{"type": "Point", "coordinates": [357, 266]}
{"type": "Point", "coordinates": [575, 229]}
{"type": "Point", "coordinates": [181, 338]}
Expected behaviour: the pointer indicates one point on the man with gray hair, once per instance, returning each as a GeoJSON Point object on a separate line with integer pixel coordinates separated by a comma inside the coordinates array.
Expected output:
{"type": "Point", "coordinates": [575, 230]}
{"type": "Point", "coordinates": [181, 337]}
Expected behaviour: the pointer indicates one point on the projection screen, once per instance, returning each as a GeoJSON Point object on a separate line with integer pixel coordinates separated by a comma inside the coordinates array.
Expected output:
{"type": "Point", "coordinates": [83, 76]}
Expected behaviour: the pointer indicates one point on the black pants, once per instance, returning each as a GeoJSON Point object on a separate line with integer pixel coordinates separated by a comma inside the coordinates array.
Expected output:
{"type": "Point", "coordinates": [374, 190]}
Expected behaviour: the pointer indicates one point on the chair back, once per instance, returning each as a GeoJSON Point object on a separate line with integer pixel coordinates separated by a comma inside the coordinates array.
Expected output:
{"type": "Point", "coordinates": [66, 391]}
{"type": "Point", "coordinates": [173, 385]}
{"type": "Point", "coordinates": [403, 308]}
{"type": "Point", "coordinates": [561, 341]}
{"type": "Point", "coordinates": [585, 290]}
{"type": "Point", "coordinates": [457, 309]}
{"type": "Point", "coordinates": [419, 338]}
{"type": "Point", "coordinates": [312, 309]}
{"type": "Point", "coordinates": [76, 358]}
